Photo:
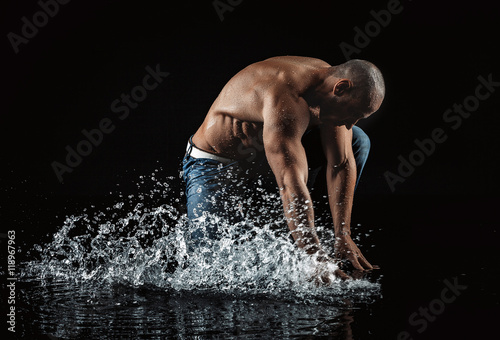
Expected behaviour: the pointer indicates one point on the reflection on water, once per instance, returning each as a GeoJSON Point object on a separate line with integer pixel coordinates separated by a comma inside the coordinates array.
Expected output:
{"type": "Point", "coordinates": [130, 271]}
{"type": "Point", "coordinates": [73, 311]}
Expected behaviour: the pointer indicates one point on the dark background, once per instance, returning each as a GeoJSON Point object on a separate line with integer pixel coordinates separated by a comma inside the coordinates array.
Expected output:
{"type": "Point", "coordinates": [441, 222]}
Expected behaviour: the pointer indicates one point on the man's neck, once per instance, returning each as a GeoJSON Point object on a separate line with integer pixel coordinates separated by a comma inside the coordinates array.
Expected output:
{"type": "Point", "coordinates": [321, 89]}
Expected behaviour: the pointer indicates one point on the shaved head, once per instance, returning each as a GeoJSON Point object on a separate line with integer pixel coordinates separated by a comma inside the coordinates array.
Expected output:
{"type": "Point", "coordinates": [368, 88]}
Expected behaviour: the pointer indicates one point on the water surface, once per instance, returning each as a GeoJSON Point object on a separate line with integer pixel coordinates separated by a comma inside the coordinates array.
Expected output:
{"type": "Point", "coordinates": [130, 271]}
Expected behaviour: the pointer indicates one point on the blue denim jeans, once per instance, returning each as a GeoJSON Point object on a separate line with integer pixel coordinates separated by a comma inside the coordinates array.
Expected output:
{"type": "Point", "coordinates": [220, 189]}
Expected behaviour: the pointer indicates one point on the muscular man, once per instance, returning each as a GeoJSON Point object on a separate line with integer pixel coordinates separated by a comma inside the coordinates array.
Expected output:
{"type": "Point", "coordinates": [263, 113]}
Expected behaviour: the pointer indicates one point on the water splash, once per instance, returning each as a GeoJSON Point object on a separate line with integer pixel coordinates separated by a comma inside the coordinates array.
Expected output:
{"type": "Point", "coordinates": [132, 244]}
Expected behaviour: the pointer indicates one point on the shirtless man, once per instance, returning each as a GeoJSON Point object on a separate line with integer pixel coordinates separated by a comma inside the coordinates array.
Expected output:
{"type": "Point", "coordinates": [262, 113]}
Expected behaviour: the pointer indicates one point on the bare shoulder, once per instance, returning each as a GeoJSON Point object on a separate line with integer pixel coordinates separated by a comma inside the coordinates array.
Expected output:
{"type": "Point", "coordinates": [286, 113]}
{"type": "Point", "coordinates": [297, 60]}
{"type": "Point", "coordinates": [281, 65]}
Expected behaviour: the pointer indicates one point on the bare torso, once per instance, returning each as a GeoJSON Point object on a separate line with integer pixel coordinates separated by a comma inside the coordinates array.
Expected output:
{"type": "Point", "coordinates": [268, 106]}
{"type": "Point", "coordinates": [235, 119]}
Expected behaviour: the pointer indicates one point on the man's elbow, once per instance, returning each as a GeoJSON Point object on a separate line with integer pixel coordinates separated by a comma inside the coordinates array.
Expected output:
{"type": "Point", "coordinates": [348, 164]}
{"type": "Point", "coordinates": [292, 182]}
{"type": "Point", "coordinates": [337, 166]}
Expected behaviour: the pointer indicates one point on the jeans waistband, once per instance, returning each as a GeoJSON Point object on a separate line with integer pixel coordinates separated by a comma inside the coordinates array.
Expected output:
{"type": "Point", "coordinates": [193, 151]}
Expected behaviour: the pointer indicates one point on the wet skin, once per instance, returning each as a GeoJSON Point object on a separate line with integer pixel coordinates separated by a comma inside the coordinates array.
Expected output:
{"type": "Point", "coordinates": [272, 103]}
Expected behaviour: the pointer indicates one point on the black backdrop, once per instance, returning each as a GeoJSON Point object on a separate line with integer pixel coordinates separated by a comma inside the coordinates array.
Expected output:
{"type": "Point", "coordinates": [431, 54]}
{"type": "Point", "coordinates": [66, 77]}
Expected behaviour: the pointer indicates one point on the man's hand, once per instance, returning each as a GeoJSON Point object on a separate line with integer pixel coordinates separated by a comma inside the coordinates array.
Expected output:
{"type": "Point", "coordinates": [326, 270]}
{"type": "Point", "coordinates": [345, 248]}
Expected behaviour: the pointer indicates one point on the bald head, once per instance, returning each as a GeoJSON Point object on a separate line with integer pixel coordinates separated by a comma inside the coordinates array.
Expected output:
{"type": "Point", "coordinates": [367, 88]}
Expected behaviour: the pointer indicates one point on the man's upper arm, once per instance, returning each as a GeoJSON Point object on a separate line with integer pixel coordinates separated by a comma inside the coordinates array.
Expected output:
{"type": "Point", "coordinates": [337, 144]}
{"type": "Point", "coordinates": [284, 126]}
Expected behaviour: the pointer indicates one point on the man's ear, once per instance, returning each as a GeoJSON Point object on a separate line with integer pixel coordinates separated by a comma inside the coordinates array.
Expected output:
{"type": "Point", "coordinates": [341, 87]}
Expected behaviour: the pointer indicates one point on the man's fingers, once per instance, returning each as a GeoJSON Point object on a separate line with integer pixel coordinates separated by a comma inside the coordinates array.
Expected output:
{"type": "Point", "coordinates": [355, 262]}
{"type": "Point", "coordinates": [354, 256]}
{"type": "Point", "coordinates": [364, 262]}
{"type": "Point", "coordinates": [341, 275]}
{"type": "Point", "coordinates": [323, 277]}
{"type": "Point", "coordinates": [358, 274]}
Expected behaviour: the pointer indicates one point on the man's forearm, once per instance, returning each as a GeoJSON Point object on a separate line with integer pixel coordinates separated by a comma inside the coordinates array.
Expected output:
{"type": "Point", "coordinates": [299, 213]}
{"type": "Point", "coordinates": [341, 181]}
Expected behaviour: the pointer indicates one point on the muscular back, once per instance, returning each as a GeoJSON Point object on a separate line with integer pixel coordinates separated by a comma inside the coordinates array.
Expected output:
{"type": "Point", "coordinates": [236, 118]}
